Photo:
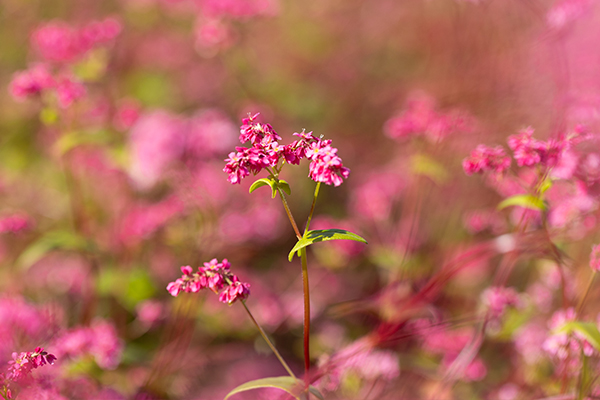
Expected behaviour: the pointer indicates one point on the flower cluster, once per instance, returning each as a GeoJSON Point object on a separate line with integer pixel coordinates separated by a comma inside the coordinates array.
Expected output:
{"type": "Point", "coordinates": [15, 223]}
{"type": "Point", "coordinates": [497, 299]}
{"type": "Point", "coordinates": [421, 118]}
{"type": "Point", "coordinates": [60, 45]}
{"type": "Point", "coordinates": [326, 166]}
{"type": "Point", "coordinates": [22, 364]}
{"type": "Point", "coordinates": [38, 79]}
{"type": "Point", "coordinates": [566, 348]}
{"type": "Point", "coordinates": [215, 276]}
{"type": "Point", "coordinates": [484, 159]}
{"type": "Point", "coordinates": [99, 340]}
{"type": "Point", "coordinates": [527, 152]}
{"type": "Point", "coordinates": [59, 42]}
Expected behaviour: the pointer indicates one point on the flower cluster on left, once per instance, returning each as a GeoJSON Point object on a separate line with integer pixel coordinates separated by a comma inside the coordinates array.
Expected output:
{"type": "Point", "coordinates": [21, 366]}
{"type": "Point", "coordinates": [215, 276]}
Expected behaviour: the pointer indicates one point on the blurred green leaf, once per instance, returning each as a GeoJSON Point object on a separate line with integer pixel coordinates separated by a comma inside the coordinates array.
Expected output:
{"type": "Point", "coordinates": [291, 385]}
{"type": "Point", "coordinates": [65, 240]}
{"type": "Point", "coordinates": [70, 140]}
{"type": "Point", "coordinates": [588, 330]}
{"type": "Point", "coordinates": [93, 67]}
{"type": "Point", "coordinates": [323, 235]}
{"type": "Point", "coordinates": [48, 116]}
{"type": "Point", "coordinates": [426, 166]}
{"type": "Point", "coordinates": [523, 200]}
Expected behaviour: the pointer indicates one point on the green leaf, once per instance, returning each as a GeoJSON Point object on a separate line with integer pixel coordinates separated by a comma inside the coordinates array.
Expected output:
{"type": "Point", "coordinates": [285, 187]}
{"type": "Point", "coordinates": [323, 235]}
{"type": "Point", "coordinates": [52, 240]}
{"type": "Point", "coordinates": [291, 385]}
{"type": "Point", "coordinates": [274, 184]}
{"type": "Point", "coordinates": [546, 185]}
{"type": "Point", "coordinates": [523, 200]}
{"type": "Point", "coordinates": [588, 330]}
{"type": "Point", "coordinates": [260, 183]}
{"type": "Point", "coordinates": [70, 140]}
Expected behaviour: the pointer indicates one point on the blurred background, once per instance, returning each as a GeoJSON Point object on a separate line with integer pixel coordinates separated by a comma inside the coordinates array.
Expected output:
{"type": "Point", "coordinates": [116, 118]}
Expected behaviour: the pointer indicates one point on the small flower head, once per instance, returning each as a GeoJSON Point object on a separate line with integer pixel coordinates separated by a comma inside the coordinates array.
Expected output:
{"type": "Point", "coordinates": [215, 276]}
{"type": "Point", "coordinates": [486, 159]}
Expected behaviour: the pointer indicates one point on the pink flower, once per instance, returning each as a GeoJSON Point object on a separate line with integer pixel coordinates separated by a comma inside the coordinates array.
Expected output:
{"type": "Point", "coordinates": [57, 41]}
{"type": "Point", "coordinates": [215, 276]}
{"type": "Point", "coordinates": [486, 159]}
{"type": "Point", "coordinates": [326, 166]}
{"type": "Point", "coordinates": [99, 340]}
{"type": "Point", "coordinates": [15, 223]}
{"type": "Point", "coordinates": [68, 90]}
{"type": "Point", "coordinates": [497, 299]}
{"type": "Point", "coordinates": [23, 363]}
{"type": "Point", "coordinates": [31, 82]}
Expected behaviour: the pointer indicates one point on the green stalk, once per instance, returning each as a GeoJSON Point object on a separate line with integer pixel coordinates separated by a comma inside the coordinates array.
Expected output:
{"type": "Point", "coordinates": [312, 207]}
{"type": "Point", "coordinates": [271, 345]}
{"type": "Point", "coordinates": [306, 317]}
{"type": "Point", "coordinates": [289, 214]}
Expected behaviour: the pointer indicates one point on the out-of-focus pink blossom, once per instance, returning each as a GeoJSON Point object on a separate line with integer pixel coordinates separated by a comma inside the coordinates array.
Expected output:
{"type": "Point", "coordinates": [210, 133]}
{"type": "Point", "coordinates": [375, 198]}
{"type": "Point", "coordinates": [240, 8]}
{"type": "Point", "coordinates": [31, 82]}
{"type": "Point", "coordinates": [60, 42]}
{"type": "Point", "coordinates": [359, 358]}
{"type": "Point", "coordinates": [99, 340]}
{"type": "Point", "coordinates": [212, 34]}
{"type": "Point", "coordinates": [127, 113]}
{"type": "Point", "coordinates": [15, 223]}
{"type": "Point", "coordinates": [57, 41]}
{"type": "Point", "coordinates": [497, 299]}
{"type": "Point", "coordinates": [69, 90]}
{"type": "Point", "coordinates": [420, 118]}
{"type": "Point", "coordinates": [155, 141]}
{"type": "Point", "coordinates": [143, 221]}
{"type": "Point", "coordinates": [486, 159]}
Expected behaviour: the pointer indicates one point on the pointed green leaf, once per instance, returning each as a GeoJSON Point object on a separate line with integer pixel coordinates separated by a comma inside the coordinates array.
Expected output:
{"type": "Point", "coordinates": [588, 330]}
{"type": "Point", "coordinates": [323, 235]}
{"type": "Point", "coordinates": [523, 200]}
{"type": "Point", "coordinates": [260, 183]}
{"type": "Point", "coordinates": [286, 383]}
{"type": "Point", "coordinates": [285, 187]}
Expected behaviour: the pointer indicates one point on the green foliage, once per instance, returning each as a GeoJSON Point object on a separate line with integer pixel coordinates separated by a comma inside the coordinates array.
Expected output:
{"type": "Point", "coordinates": [273, 183]}
{"type": "Point", "coordinates": [291, 385]}
{"type": "Point", "coordinates": [523, 200]}
{"type": "Point", "coordinates": [323, 235]}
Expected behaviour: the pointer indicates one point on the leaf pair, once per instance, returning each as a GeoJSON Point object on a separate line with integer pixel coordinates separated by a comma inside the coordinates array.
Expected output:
{"type": "Point", "coordinates": [274, 183]}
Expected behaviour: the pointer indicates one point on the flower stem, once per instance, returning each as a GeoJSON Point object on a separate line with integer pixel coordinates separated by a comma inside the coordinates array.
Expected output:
{"type": "Point", "coordinates": [271, 345]}
{"type": "Point", "coordinates": [306, 315]}
{"type": "Point", "coordinates": [585, 294]}
{"type": "Point", "coordinates": [312, 207]}
{"type": "Point", "coordinates": [289, 214]}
